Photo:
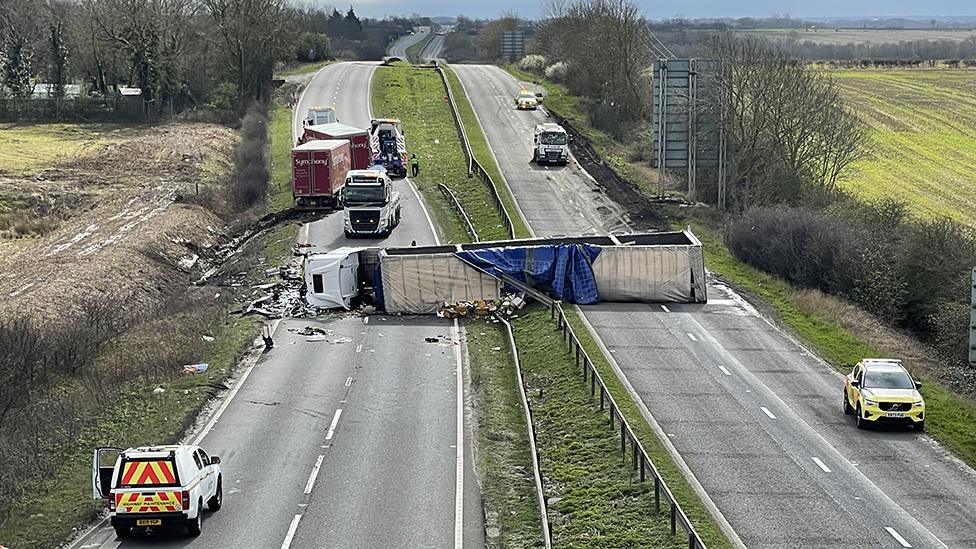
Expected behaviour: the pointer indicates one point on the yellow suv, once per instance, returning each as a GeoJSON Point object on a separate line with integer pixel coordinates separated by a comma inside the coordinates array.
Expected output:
{"type": "Point", "coordinates": [880, 390]}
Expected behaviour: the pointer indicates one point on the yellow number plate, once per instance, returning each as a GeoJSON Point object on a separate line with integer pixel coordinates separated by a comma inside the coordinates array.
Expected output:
{"type": "Point", "coordinates": [149, 522]}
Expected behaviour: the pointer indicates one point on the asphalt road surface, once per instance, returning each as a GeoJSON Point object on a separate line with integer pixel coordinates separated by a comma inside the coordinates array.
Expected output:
{"type": "Point", "coordinates": [755, 417]}
{"type": "Point", "coordinates": [399, 48]}
{"type": "Point", "coordinates": [434, 48]}
{"type": "Point", "coordinates": [353, 440]}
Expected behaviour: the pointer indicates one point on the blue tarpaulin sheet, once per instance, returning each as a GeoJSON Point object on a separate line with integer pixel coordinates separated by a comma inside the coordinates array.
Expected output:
{"type": "Point", "coordinates": [564, 269]}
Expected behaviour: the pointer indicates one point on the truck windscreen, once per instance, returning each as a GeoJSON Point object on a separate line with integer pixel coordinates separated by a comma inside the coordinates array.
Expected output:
{"type": "Point", "coordinates": [362, 195]}
{"type": "Point", "coordinates": [553, 138]}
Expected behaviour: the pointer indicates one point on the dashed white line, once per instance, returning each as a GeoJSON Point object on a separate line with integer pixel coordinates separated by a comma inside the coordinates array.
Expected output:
{"type": "Point", "coordinates": [894, 533]}
{"type": "Point", "coordinates": [335, 423]}
{"type": "Point", "coordinates": [315, 473]}
{"type": "Point", "coordinates": [821, 465]}
{"type": "Point", "coordinates": [767, 412]}
{"type": "Point", "coordinates": [365, 320]}
{"type": "Point", "coordinates": [725, 370]}
{"type": "Point", "coordinates": [459, 457]}
{"type": "Point", "coordinates": [348, 381]}
{"type": "Point", "coordinates": [359, 348]}
{"type": "Point", "coordinates": [291, 532]}
{"type": "Point", "coordinates": [665, 307]}
{"type": "Point", "coordinates": [692, 337]}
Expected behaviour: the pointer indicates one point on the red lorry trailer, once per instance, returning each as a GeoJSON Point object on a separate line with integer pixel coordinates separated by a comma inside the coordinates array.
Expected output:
{"type": "Point", "coordinates": [358, 141]}
{"type": "Point", "coordinates": [318, 172]}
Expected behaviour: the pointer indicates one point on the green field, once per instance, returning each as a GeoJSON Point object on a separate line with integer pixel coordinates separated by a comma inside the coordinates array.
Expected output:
{"type": "Point", "coordinates": [862, 36]}
{"type": "Point", "coordinates": [922, 138]}
{"type": "Point", "coordinates": [25, 148]}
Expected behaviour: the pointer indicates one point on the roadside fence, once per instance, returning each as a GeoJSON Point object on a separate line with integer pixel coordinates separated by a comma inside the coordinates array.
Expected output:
{"type": "Point", "coordinates": [474, 167]}
{"type": "Point", "coordinates": [456, 204]}
{"type": "Point", "coordinates": [639, 460]}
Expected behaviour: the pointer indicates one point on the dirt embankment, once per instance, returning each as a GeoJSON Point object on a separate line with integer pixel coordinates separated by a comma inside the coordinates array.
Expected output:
{"type": "Point", "coordinates": [128, 231]}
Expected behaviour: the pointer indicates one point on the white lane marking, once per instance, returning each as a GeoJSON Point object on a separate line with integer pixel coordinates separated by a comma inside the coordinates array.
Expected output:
{"type": "Point", "coordinates": [725, 370]}
{"type": "Point", "coordinates": [314, 475]}
{"type": "Point", "coordinates": [305, 230]}
{"type": "Point", "coordinates": [230, 396]}
{"type": "Point", "coordinates": [365, 320]}
{"type": "Point", "coordinates": [423, 207]}
{"type": "Point", "coordinates": [348, 381]}
{"type": "Point", "coordinates": [291, 532]}
{"type": "Point", "coordinates": [359, 348]}
{"type": "Point", "coordinates": [894, 533]}
{"type": "Point", "coordinates": [821, 465]}
{"type": "Point", "coordinates": [767, 412]}
{"type": "Point", "coordinates": [665, 307]}
{"type": "Point", "coordinates": [692, 337]}
{"type": "Point", "coordinates": [298, 105]}
{"type": "Point", "coordinates": [459, 461]}
{"type": "Point", "coordinates": [335, 423]}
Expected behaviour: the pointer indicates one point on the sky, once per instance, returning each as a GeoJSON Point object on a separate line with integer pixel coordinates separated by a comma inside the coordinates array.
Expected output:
{"type": "Point", "coordinates": [662, 9]}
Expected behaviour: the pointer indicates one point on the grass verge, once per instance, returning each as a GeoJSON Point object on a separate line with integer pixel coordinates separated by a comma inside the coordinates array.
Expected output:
{"type": "Point", "coordinates": [482, 152]}
{"type": "Point", "coordinates": [279, 135]}
{"type": "Point", "coordinates": [595, 498]}
{"type": "Point", "coordinates": [416, 97]}
{"type": "Point", "coordinates": [53, 509]}
{"type": "Point", "coordinates": [502, 450]}
{"type": "Point", "coordinates": [297, 69]}
{"type": "Point", "coordinates": [950, 417]}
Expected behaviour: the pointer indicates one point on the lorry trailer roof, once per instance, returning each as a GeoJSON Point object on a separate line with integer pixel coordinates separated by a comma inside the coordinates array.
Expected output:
{"type": "Point", "coordinates": [321, 145]}
{"type": "Point", "coordinates": [337, 129]}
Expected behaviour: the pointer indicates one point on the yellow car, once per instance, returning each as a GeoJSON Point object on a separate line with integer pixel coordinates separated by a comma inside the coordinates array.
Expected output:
{"type": "Point", "coordinates": [880, 390]}
{"type": "Point", "coordinates": [526, 100]}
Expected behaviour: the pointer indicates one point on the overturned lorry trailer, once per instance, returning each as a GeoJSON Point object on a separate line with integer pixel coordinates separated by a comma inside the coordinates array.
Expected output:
{"type": "Point", "coordinates": [647, 267]}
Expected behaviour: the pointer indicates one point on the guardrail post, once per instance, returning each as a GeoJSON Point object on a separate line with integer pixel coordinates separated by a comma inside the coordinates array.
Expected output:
{"type": "Point", "coordinates": [672, 517]}
{"type": "Point", "coordinates": [577, 355]}
{"type": "Point", "coordinates": [643, 472]}
{"type": "Point", "coordinates": [691, 541]}
{"type": "Point", "coordinates": [657, 494]}
{"type": "Point", "coordinates": [592, 383]}
{"type": "Point", "coordinates": [623, 441]}
{"type": "Point", "coordinates": [633, 455]}
{"type": "Point", "coordinates": [601, 398]}
{"type": "Point", "coordinates": [611, 415]}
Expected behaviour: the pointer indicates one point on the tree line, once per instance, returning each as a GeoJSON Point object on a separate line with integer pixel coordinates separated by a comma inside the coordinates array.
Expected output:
{"type": "Point", "coordinates": [191, 53]}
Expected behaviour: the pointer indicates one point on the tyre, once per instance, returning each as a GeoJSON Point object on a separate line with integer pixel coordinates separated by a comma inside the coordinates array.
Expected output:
{"type": "Point", "coordinates": [348, 234]}
{"type": "Point", "coordinates": [847, 406]}
{"type": "Point", "coordinates": [122, 531]}
{"type": "Point", "coordinates": [861, 422]}
{"type": "Point", "coordinates": [920, 426]}
{"type": "Point", "coordinates": [214, 503]}
{"type": "Point", "coordinates": [194, 525]}
{"type": "Point", "coordinates": [535, 157]}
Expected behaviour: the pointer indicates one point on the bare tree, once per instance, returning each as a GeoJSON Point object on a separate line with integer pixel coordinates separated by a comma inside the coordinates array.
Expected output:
{"type": "Point", "coordinates": [786, 128]}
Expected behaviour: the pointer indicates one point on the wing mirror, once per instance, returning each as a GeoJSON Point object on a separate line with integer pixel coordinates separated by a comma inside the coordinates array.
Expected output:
{"type": "Point", "coordinates": [855, 383]}
{"type": "Point", "coordinates": [214, 460]}
{"type": "Point", "coordinates": [918, 384]}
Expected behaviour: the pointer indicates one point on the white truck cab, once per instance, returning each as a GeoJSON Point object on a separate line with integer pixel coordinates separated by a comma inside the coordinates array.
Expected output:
{"type": "Point", "coordinates": [371, 206]}
{"type": "Point", "coordinates": [156, 486]}
{"type": "Point", "coordinates": [320, 115]}
{"type": "Point", "coordinates": [550, 144]}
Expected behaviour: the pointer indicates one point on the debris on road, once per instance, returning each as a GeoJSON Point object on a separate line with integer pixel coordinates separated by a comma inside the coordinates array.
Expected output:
{"type": "Point", "coordinates": [195, 368]}
{"type": "Point", "coordinates": [158, 391]}
{"type": "Point", "coordinates": [431, 339]}
{"type": "Point", "coordinates": [208, 339]}
{"type": "Point", "coordinates": [506, 307]}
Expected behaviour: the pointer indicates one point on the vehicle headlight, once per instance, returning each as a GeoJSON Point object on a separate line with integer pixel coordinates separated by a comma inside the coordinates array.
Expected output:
{"type": "Point", "coordinates": [919, 403]}
{"type": "Point", "coordinates": [869, 402]}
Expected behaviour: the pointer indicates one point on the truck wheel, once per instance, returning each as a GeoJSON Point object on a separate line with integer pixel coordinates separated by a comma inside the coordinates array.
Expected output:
{"type": "Point", "coordinates": [349, 235]}
{"type": "Point", "coordinates": [218, 499]}
{"type": "Point", "coordinates": [397, 223]}
{"type": "Point", "coordinates": [194, 525]}
{"type": "Point", "coordinates": [122, 531]}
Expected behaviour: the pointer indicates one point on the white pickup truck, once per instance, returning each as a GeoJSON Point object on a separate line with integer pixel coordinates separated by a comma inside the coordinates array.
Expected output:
{"type": "Point", "coordinates": [156, 486]}
{"type": "Point", "coordinates": [371, 206]}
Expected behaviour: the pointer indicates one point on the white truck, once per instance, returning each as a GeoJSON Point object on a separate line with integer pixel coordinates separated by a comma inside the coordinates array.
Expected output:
{"type": "Point", "coordinates": [157, 486]}
{"type": "Point", "coordinates": [371, 205]}
{"type": "Point", "coordinates": [320, 115]}
{"type": "Point", "coordinates": [550, 145]}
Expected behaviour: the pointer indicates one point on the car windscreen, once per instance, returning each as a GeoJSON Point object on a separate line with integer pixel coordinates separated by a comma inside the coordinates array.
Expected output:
{"type": "Point", "coordinates": [553, 138]}
{"type": "Point", "coordinates": [136, 473]}
{"type": "Point", "coordinates": [527, 96]}
{"type": "Point", "coordinates": [887, 379]}
{"type": "Point", "coordinates": [356, 195]}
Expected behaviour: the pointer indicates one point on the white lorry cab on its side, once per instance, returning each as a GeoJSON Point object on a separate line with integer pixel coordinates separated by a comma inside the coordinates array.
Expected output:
{"type": "Point", "coordinates": [157, 486]}
{"type": "Point", "coordinates": [550, 144]}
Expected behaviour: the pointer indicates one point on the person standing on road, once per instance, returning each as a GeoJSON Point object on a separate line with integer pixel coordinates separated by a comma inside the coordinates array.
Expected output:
{"type": "Point", "coordinates": [414, 165]}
